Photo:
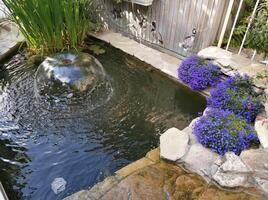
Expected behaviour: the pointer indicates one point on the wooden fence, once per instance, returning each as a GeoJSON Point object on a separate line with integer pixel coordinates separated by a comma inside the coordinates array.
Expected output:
{"type": "Point", "coordinates": [167, 23]}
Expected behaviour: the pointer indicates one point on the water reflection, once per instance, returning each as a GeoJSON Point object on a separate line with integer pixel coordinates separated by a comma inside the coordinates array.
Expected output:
{"type": "Point", "coordinates": [40, 141]}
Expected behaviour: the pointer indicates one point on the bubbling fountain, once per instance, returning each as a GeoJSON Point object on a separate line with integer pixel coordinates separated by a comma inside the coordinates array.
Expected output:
{"type": "Point", "coordinates": [67, 75]}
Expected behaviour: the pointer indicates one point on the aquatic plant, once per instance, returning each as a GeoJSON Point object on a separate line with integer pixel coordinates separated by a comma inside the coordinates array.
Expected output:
{"type": "Point", "coordinates": [199, 73]}
{"type": "Point", "coordinates": [236, 94]}
{"type": "Point", "coordinates": [50, 25]}
{"type": "Point", "coordinates": [222, 131]}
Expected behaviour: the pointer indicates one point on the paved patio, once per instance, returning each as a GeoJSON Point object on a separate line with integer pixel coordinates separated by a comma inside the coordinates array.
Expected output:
{"type": "Point", "coordinates": [153, 179]}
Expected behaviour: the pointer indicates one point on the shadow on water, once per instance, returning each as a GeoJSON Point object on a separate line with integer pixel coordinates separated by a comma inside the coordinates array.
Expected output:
{"type": "Point", "coordinates": [40, 141]}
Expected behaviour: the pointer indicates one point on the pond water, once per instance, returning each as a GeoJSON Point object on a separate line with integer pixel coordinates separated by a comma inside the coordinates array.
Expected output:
{"type": "Point", "coordinates": [41, 141]}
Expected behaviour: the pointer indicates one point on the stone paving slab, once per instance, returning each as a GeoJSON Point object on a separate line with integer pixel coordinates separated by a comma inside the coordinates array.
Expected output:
{"type": "Point", "coordinates": [159, 181]}
{"type": "Point", "coordinates": [134, 167]}
{"type": "Point", "coordinates": [233, 63]}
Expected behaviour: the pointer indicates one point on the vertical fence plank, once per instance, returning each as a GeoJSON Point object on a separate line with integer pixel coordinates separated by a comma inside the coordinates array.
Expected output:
{"type": "Point", "coordinates": [174, 19]}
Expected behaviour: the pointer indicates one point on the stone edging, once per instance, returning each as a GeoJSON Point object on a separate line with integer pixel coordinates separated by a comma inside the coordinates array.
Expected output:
{"type": "Point", "coordinates": [100, 189]}
{"type": "Point", "coordinates": [249, 170]}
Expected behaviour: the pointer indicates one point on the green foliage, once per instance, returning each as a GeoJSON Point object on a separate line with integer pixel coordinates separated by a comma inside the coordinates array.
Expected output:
{"type": "Point", "coordinates": [51, 25]}
{"type": "Point", "coordinates": [258, 35]}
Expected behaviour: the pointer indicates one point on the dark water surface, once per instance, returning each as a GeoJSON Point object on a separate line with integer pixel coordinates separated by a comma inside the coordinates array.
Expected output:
{"type": "Point", "coordinates": [42, 141]}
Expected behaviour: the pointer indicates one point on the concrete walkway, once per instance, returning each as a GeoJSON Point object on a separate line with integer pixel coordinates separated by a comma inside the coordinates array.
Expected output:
{"type": "Point", "coordinates": [153, 179]}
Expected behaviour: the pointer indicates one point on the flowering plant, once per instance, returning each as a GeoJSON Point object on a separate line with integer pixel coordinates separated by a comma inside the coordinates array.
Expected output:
{"type": "Point", "coordinates": [199, 73]}
{"type": "Point", "coordinates": [236, 94]}
{"type": "Point", "coordinates": [223, 131]}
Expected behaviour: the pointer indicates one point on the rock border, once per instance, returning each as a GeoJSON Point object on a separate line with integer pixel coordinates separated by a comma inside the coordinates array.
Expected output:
{"type": "Point", "coordinates": [249, 170]}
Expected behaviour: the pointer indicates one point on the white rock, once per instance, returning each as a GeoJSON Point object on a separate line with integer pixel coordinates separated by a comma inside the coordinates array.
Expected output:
{"type": "Point", "coordinates": [257, 160]}
{"type": "Point", "coordinates": [233, 163]}
{"type": "Point", "coordinates": [173, 144]}
{"type": "Point", "coordinates": [193, 122]}
{"type": "Point", "coordinates": [232, 73]}
{"type": "Point", "coordinates": [261, 127]}
{"type": "Point", "coordinates": [233, 172]}
{"type": "Point", "coordinates": [263, 184]}
{"type": "Point", "coordinates": [224, 62]}
{"type": "Point", "coordinates": [266, 92]}
{"type": "Point", "coordinates": [214, 53]}
{"type": "Point", "coordinates": [58, 185]}
{"type": "Point", "coordinates": [189, 131]}
{"type": "Point", "coordinates": [200, 160]}
{"type": "Point", "coordinates": [230, 180]}
{"type": "Point", "coordinates": [213, 170]}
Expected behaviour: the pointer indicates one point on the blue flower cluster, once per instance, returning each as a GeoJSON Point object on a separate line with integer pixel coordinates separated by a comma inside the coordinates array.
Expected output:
{"type": "Point", "coordinates": [236, 94]}
{"type": "Point", "coordinates": [198, 73]}
{"type": "Point", "coordinates": [223, 131]}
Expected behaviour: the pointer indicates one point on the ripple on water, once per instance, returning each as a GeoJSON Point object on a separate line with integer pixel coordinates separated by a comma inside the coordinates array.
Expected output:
{"type": "Point", "coordinates": [64, 137]}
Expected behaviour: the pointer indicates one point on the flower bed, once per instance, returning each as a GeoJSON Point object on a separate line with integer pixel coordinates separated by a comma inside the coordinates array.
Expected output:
{"type": "Point", "coordinates": [236, 94]}
{"type": "Point", "coordinates": [223, 131]}
{"type": "Point", "coordinates": [198, 73]}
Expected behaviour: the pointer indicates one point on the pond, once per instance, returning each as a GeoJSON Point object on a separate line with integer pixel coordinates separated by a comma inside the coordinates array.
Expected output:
{"type": "Point", "coordinates": [43, 141]}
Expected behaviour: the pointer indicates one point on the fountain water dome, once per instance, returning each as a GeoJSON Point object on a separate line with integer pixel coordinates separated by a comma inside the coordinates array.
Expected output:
{"type": "Point", "coordinates": [76, 74]}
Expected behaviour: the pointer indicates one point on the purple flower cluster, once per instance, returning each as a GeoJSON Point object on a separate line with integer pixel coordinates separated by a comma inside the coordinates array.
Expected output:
{"type": "Point", "coordinates": [223, 131]}
{"type": "Point", "coordinates": [198, 73]}
{"type": "Point", "coordinates": [236, 94]}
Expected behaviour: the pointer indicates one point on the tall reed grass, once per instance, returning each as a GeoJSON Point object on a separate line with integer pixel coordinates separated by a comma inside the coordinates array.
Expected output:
{"type": "Point", "coordinates": [51, 25]}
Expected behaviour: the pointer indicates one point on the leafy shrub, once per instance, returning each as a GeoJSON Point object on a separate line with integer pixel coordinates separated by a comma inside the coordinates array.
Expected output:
{"type": "Point", "coordinates": [198, 73]}
{"type": "Point", "coordinates": [257, 37]}
{"type": "Point", "coordinates": [51, 25]}
{"type": "Point", "coordinates": [223, 131]}
{"type": "Point", "coordinates": [236, 94]}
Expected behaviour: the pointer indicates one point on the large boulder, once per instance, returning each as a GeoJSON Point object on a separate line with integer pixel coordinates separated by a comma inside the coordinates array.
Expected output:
{"type": "Point", "coordinates": [200, 160]}
{"type": "Point", "coordinates": [173, 144]}
{"type": "Point", "coordinates": [189, 131]}
{"type": "Point", "coordinates": [233, 163]}
{"type": "Point", "coordinates": [257, 160]}
{"type": "Point", "coordinates": [233, 63]}
{"type": "Point", "coordinates": [214, 53]}
{"type": "Point", "coordinates": [233, 172]}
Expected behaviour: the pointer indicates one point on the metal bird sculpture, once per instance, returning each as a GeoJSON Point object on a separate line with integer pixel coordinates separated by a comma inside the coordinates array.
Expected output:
{"type": "Point", "coordinates": [188, 41]}
{"type": "Point", "coordinates": [156, 34]}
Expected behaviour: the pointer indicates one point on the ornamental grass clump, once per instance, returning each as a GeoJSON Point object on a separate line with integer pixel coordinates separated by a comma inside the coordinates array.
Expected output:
{"type": "Point", "coordinates": [199, 73]}
{"type": "Point", "coordinates": [236, 94]}
{"type": "Point", "coordinates": [222, 131]}
{"type": "Point", "coordinates": [51, 25]}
